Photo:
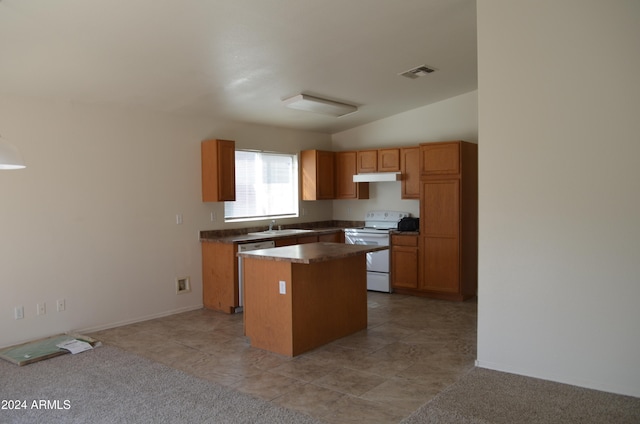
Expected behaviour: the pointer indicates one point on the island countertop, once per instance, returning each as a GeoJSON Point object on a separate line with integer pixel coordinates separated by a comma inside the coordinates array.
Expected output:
{"type": "Point", "coordinates": [311, 252]}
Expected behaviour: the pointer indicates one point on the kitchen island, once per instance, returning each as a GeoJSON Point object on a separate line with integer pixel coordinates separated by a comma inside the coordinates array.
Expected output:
{"type": "Point", "coordinates": [297, 298]}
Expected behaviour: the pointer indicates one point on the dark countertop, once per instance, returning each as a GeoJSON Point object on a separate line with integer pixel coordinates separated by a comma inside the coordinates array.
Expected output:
{"type": "Point", "coordinates": [247, 238]}
{"type": "Point", "coordinates": [311, 252]}
{"type": "Point", "coordinates": [404, 233]}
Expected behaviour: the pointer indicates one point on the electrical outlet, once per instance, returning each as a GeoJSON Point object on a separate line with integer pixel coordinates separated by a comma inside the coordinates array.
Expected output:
{"type": "Point", "coordinates": [61, 305]}
{"type": "Point", "coordinates": [42, 308]}
{"type": "Point", "coordinates": [213, 216]}
{"type": "Point", "coordinates": [179, 218]}
{"type": "Point", "coordinates": [283, 287]}
{"type": "Point", "coordinates": [18, 312]}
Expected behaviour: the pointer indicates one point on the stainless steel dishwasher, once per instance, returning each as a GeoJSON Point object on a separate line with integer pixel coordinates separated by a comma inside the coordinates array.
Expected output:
{"type": "Point", "coordinates": [245, 248]}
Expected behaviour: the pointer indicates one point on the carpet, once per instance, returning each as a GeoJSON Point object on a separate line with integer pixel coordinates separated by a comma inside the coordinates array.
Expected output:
{"type": "Point", "coordinates": [490, 397]}
{"type": "Point", "coordinates": [108, 385]}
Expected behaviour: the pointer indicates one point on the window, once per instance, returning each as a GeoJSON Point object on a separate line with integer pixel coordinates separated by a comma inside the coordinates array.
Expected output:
{"type": "Point", "coordinates": [266, 186]}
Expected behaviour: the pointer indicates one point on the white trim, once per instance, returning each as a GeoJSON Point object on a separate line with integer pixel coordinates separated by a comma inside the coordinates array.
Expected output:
{"type": "Point", "coordinates": [562, 379]}
{"type": "Point", "coordinates": [140, 319]}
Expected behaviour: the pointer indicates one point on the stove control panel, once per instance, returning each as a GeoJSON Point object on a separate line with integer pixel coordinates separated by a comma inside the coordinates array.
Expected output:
{"type": "Point", "coordinates": [393, 216]}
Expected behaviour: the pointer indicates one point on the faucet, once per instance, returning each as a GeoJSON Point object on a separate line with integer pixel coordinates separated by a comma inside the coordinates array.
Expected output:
{"type": "Point", "coordinates": [271, 224]}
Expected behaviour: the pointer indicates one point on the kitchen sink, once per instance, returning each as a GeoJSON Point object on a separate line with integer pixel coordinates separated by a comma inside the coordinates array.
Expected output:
{"type": "Point", "coordinates": [285, 232]}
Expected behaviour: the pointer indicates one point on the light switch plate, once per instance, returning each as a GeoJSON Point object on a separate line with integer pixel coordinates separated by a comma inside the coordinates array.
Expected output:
{"type": "Point", "coordinates": [283, 287]}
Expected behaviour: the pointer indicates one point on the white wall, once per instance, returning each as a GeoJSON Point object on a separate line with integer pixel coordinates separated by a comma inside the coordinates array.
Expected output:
{"type": "Point", "coordinates": [452, 119]}
{"type": "Point", "coordinates": [559, 273]}
{"type": "Point", "coordinates": [92, 217]}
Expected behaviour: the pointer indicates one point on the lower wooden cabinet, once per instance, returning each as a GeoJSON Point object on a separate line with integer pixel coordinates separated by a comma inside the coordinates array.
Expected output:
{"type": "Point", "coordinates": [336, 237]}
{"type": "Point", "coordinates": [289, 241]}
{"type": "Point", "coordinates": [404, 261]}
{"type": "Point", "coordinates": [220, 276]}
{"type": "Point", "coordinates": [220, 289]}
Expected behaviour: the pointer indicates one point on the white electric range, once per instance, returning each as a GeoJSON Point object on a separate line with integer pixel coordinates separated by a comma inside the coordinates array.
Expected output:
{"type": "Point", "coordinates": [376, 229]}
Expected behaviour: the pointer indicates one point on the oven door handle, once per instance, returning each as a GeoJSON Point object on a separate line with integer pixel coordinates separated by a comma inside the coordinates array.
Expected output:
{"type": "Point", "coordinates": [368, 235]}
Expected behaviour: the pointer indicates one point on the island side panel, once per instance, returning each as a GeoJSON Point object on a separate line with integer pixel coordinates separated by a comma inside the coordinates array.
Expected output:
{"type": "Point", "coordinates": [267, 313]}
{"type": "Point", "coordinates": [329, 301]}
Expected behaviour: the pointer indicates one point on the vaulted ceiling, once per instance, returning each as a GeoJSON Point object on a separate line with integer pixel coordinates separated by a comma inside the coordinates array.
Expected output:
{"type": "Point", "coordinates": [238, 59]}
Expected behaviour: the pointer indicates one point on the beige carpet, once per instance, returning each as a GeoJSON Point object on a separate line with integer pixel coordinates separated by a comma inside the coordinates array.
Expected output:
{"type": "Point", "coordinates": [490, 397]}
{"type": "Point", "coordinates": [108, 385]}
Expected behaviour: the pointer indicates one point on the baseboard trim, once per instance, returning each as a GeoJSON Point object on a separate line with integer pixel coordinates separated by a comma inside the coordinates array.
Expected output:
{"type": "Point", "coordinates": [562, 379]}
{"type": "Point", "coordinates": [139, 319]}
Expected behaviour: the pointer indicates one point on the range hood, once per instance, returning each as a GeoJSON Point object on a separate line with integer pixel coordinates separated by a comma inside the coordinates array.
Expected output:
{"type": "Point", "coordinates": [375, 177]}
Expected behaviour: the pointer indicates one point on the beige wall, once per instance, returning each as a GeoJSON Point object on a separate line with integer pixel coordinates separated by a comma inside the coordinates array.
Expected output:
{"type": "Point", "coordinates": [559, 206]}
{"type": "Point", "coordinates": [452, 119]}
{"type": "Point", "coordinates": [92, 218]}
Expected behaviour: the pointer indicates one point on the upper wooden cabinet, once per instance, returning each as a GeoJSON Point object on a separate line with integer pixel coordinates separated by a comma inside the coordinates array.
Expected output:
{"type": "Point", "coordinates": [440, 158]}
{"type": "Point", "coordinates": [388, 160]}
{"type": "Point", "coordinates": [346, 164]}
{"type": "Point", "coordinates": [410, 169]}
{"type": "Point", "coordinates": [318, 169]}
{"type": "Point", "coordinates": [381, 160]}
{"type": "Point", "coordinates": [218, 170]}
{"type": "Point", "coordinates": [367, 161]}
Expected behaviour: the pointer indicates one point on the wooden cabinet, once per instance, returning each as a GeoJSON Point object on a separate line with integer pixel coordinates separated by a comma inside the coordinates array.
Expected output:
{"type": "Point", "coordinates": [220, 276]}
{"type": "Point", "coordinates": [381, 160]}
{"type": "Point", "coordinates": [439, 159]}
{"type": "Point", "coordinates": [318, 169]}
{"type": "Point", "coordinates": [218, 170]}
{"type": "Point", "coordinates": [388, 160]}
{"type": "Point", "coordinates": [404, 261]}
{"type": "Point", "coordinates": [346, 164]}
{"type": "Point", "coordinates": [220, 289]}
{"type": "Point", "coordinates": [289, 241]}
{"type": "Point", "coordinates": [367, 161]}
{"type": "Point", "coordinates": [337, 237]}
{"type": "Point", "coordinates": [322, 301]}
{"type": "Point", "coordinates": [410, 169]}
{"type": "Point", "coordinates": [448, 220]}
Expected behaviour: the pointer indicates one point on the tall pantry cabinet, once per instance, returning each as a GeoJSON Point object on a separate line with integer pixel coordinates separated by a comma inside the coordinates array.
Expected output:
{"type": "Point", "coordinates": [448, 242]}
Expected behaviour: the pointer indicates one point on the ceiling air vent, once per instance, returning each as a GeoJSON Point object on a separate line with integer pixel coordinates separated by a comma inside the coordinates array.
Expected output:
{"type": "Point", "coordinates": [420, 71]}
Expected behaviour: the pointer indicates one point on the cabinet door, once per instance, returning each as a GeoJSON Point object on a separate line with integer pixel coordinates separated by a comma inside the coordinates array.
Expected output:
{"type": "Point", "coordinates": [337, 237]}
{"type": "Point", "coordinates": [289, 241]}
{"type": "Point", "coordinates": [307, 239]}
{"type": "Point", "coordinates": [218, 170]}
{"type": "Point", "coordinates": [388, 160]}
{"type": "Point", "coordinates": [441, 265]}
{"type": "Point", "coordinates": [325, 175]}
{"type": "Point", "coordinates": [404, 261]}
{"type": "Point", "coordinates": [440, 158]}
{"type": "Point", "coordinates": [367, 161]}
{"type": "Point", "coordinates": [227, 170]}
{"type": "Point", "coordinates": [317, 169]}
{"type": "Point", "coordinates": [220, 276]}
{"type": "Point", "coordinates": [440, 233]}
{"type": "Point", "coordinates": [345, 170]}
{"type": "Point", "coordinates": [410, 169]}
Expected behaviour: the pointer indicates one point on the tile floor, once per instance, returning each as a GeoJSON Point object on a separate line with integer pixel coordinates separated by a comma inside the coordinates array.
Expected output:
{"type": "Point", "coordinates": [412, 349]}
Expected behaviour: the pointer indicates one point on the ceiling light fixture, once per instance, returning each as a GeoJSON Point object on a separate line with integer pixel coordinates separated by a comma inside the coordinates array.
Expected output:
{"type": "Point", "coordinates": [318, 105]}
{"type": "Point", "coordinates": [10, 157]}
